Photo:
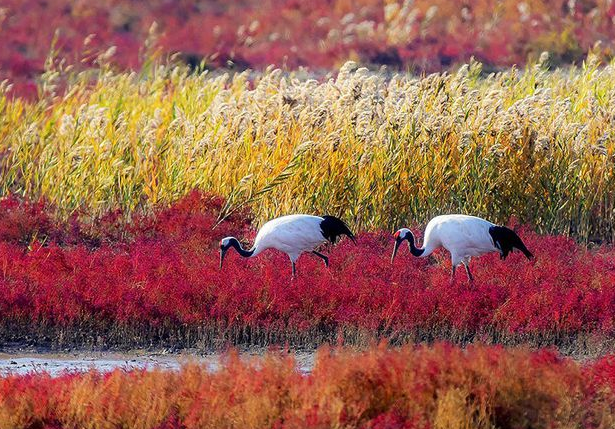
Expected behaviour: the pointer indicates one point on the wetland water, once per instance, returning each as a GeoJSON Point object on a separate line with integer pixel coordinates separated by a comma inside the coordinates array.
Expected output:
{"type": "Point", "coordinates": [56, 364]}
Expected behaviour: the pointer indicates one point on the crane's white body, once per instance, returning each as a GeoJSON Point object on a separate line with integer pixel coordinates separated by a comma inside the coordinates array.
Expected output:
{"type": "Point", "coordinates": [292, 234]}
{"type": "Point", "coordinates": [462, 235]}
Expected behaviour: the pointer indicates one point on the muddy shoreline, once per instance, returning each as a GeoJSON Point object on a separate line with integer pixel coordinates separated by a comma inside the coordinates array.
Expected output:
{"type": "Point", "coordinates": [56, 363]}
{"type": "Point", "coordinates": [25, 348]}
{"type": "Point", "coordinates": [27, 339]}
{"type": "Point", "coordinates": [27, 357]}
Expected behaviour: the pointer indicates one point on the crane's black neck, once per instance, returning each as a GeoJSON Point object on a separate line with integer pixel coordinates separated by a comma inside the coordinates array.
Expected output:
{"type": "Point", "coordinates": [234, 243]}
{"type": "Point", "coordinates": [413, 249]}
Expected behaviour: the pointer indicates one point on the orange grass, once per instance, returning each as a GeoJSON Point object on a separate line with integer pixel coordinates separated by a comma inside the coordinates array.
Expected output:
{"type": "Point", "coordinates": [414, 387]}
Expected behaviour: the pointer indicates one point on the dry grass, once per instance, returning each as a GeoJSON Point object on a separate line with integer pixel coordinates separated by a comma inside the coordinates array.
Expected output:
{"type": "Point", "coordinates": [436, 387]}
{"type": "Point", "coordinates": [378, 150]}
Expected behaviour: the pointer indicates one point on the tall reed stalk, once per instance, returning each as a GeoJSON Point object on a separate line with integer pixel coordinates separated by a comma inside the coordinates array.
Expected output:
{"type": "Point", "coordinates": [379, 150]}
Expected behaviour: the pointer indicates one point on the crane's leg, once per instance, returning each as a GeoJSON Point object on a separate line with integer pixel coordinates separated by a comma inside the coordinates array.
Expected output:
{"type": "Point", "coordinates": [466, 263]}
{"type": "Point", "coordinates": [470, 277]}
{"type": "Point", "coordinates": [294, 270]}
{"type": "Point", "coordinates": [455, 261]}
{"type": "Point", "coordinates": [323, 257]}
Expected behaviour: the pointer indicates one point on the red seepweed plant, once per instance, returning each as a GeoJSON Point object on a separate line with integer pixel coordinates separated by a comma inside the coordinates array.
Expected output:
{"type": "Point", "coordinates": [423, 34]}
{"type": "Point", "coordinates": [155, 280]}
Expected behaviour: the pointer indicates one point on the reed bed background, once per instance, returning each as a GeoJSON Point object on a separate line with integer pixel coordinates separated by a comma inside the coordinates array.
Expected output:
{"type": "Point", "coordinates": [379, 150]}
{"type": "Point", "coordinates": [412, 387]}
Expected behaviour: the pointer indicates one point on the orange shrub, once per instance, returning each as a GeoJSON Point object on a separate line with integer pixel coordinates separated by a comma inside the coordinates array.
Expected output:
{"type": "Point", "coordinates": [419, 387]}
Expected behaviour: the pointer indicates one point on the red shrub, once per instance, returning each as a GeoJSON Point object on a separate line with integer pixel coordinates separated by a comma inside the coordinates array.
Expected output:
{"type": "Point", "coordinates": [22, 221]}
{"type": "Point", "coordinates": [429, 35]}
{"type": "Point", "coordinates": [165, 275]}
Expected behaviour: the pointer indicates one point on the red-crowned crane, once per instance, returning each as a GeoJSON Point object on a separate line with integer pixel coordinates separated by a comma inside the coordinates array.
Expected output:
{"type": "Point", "coordinates": [293, 235]}
{"type": "Point", "coordinates": [463, 236]}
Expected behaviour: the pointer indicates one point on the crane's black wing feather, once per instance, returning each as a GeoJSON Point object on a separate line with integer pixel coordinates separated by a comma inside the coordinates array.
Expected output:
{"type": "Point", "coordinates": [505, 239]}
{"type": "Point", "coordinates": [333, 227]}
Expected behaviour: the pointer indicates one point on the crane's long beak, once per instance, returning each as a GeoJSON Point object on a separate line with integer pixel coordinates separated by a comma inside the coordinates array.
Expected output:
{"type": "Point", "coordinates": [398, 241]}
{"type": "Point", "coordinates": [222, 253]}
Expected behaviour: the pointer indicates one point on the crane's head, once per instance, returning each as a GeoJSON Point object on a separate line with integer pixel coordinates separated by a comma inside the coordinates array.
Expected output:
{"type": "Point", "coordinates": [400, 236]}
{"type": "Point", "coordinates": [225, 244]}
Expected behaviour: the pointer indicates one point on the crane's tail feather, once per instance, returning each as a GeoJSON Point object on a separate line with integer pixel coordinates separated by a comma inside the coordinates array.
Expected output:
{"type": "Point", "coordinates": [333, 227]}
{"type": "Point", "coordinates": [505, 238]}
{"type": "Point", "coordinates": [524, 249]}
